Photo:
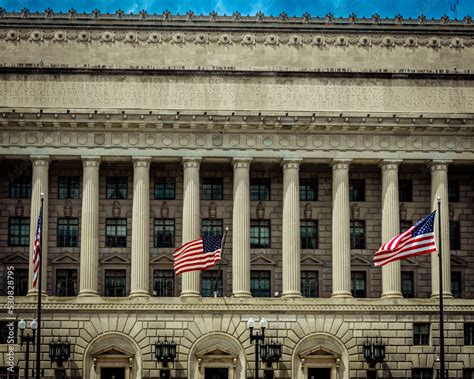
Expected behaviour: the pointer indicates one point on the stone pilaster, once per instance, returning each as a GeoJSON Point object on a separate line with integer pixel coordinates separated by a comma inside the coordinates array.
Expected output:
{"type": "Point", "coordinates": [391, 275]}
{"type": "Point", "coordinates": [191, 221]}
{"type": "Point", "coordinates": [89, 227]}
{"type": "Point", "coordinates": [439, 188]}
{"type": "Point", "coordinates": [341, 246]}
{"type": "Point", "coordinates": [291, 229]}
{"type": "Point", "coordinates": [39, 185]}
{"type": "Point", "coordinates": [241, 229]}
{"type": "Point", "coordinates": [140, 227]}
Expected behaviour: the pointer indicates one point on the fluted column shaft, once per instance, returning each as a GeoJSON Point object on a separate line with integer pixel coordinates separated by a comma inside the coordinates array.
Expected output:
{"type": "Point", "coordinates": [241, 229]}
{"type": "Point", "coordinates": [439, 188]}
{"type": "Point", "coordinates": [39, 185]}
{"type": "Point", "coordinates": [140, 227]}
{"type": "Point", "coordinates": [191, 221]}
{"type": "Point", "coordinates": [89, 227]}
{"type": "Point", "coordinates": [341, 246]}
{"type": "Point", "coordinates": [291, 229]}
{"type": "Point", "coordinates": [391, 275]}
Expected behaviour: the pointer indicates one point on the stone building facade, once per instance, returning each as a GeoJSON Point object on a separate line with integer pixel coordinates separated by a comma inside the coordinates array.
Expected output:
{"type": "Point", "coordinates": [312, 139]}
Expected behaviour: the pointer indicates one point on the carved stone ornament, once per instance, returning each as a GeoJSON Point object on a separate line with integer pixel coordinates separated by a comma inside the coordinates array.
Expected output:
{"type": "Point", "coordinates": [212, 210]}
{"type": "Point", "coordinates": [355, 211]}
{"type": "Point", "coordinates": [164, 210]}
{"type": "Point", "coordinates": [67, 209]}
{"type": "Point", "coordinates": [308, 211]}
{"type": "Point", "coordinates": [260, 211]}
{"type": "Point", "coordinates": [154, 38]}
{"type": "Point", "coordinates": [19, 209]}
{"type": "Point", "coordinates": [224, 39]}
{"type": "Point", "coordinates": [451, 212]}
{"type": "Point", "coordinates": [107, 36]}
{"type": "Point", "coordinates": [116, 209]}
{"type": "Point", "coordinates": [403, 211]}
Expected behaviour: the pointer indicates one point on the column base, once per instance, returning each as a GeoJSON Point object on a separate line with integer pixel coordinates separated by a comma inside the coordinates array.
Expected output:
{"type": "Point", "coordinates": [392, 295]}
{"type": "Point", "coordinates": [342, 294]}
{"type": "Point", "coordinates": [190, 295]}
{"type": "Point", "coordinates": [446, 295]}
{"type": "Point", "coordinates": [242, 294]}
{"type": "Point", "coordinates": [34, 293]}
{"type": "Point", "coordinates": [88, 293]}
{"type": "Point", "coordinates": [291, 295]}
{"type": "Point", "coordinates": [139, 294]}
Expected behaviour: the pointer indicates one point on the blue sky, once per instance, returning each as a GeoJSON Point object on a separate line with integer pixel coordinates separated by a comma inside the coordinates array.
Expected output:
{"type": "Point", "coordinates": [386, 8]}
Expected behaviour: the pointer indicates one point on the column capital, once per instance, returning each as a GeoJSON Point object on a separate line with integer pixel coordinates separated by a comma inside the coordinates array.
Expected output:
{"type": "Point", "coordinates": [241, 162]}
{"type": "Point", "coordinates": [389, 164]}
{"type": "Point", "coordinates": [291, 163]}
{"type": "Point", "coordinates": [191, 162]}
{"type": "Point", "coordinates": [40, 160]}
{"type": "Point", "coordinates": [439, 164]}
{"type": "Point", "coordinates": [90, 161]}
{"type": "Point", "coordinates": [340, 164]}
{"type": "Point", "coordinates": [141, 161]}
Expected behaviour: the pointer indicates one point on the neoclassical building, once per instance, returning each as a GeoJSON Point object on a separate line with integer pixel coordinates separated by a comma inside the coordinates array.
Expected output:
{"type": "Point", "coordinates": [313, 139]}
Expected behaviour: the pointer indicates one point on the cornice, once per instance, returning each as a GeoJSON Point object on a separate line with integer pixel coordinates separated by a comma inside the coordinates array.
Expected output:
{"type": "Point", "coordinates": [236, 20]}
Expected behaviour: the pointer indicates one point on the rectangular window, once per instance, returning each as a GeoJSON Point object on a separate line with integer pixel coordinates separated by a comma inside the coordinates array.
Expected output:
{"type": "Point", "coordinates": [422, 373]}
{"type": "Point", "coordinates": [164, 232]}
{"type": "Point", "coordinates": [260, 234]}
{"type": "Point", "coordinates": [68, 187]}
{"type": "Point", "coordinates": [405, 225]}
{"type": "Point", "coordinates": [260, 283]}
{"type": "Point", "coordinates": [421, 333]}
{"type": "Point", "coordinates": [309, 234]}
{"type": "Point", "coordinates": [7, 332]}
{"type": "Point", "coordinates": [208, 283]}
{"type": "Point", "coordinates": [309, 189]}
{"type": "Point", "coordinates": [260, 189]}
{"type": "Point", "coordinates": [115, 283]}
{"type": "Point", "coordinates": [165, 188]}
{"type": "Point", "coordinates": [456, 284]}
{"type": "Point", "coordinates": [468, 373]}
{"type": "Point", "coordinates": [116, 232]}
{"type": "Point", "coordinates": [20, 187]}
{"type": "Point", "coordinates": [211, 227]}
{"type": "Point", "coordinates": [68, 230]}
{"type": "Point", "coordinates": [66, 282]}
{"type": "Point", "coordinates": [358, 283]}
{"type": "Point", "coordinates": [454, 235]}
{"type": "Point", "coordinates": [163, 283]}
{"type": "Point", "coordinates": [453, 191]}
{"type": "Point", "coordinates": [212, 188]}
{"type": "Point", "coordinates": [19, 231]}
{"type": "Point", "coordinates": [117, 187]}
{"type": "Point", "coordinates": [405, 190]}
{"type": "Point", "coordinates": [357, 234]}
{"type": "Point", "coordinates": [309, 283]}
{"type": "Point", "coordinates": [356, 190]}
{"type": "Point", "coordinates": [408, 284]}
{"type": "Point", "coordinates": [469, 334]}
{"type": "Point", "coordinates": [21, 281]}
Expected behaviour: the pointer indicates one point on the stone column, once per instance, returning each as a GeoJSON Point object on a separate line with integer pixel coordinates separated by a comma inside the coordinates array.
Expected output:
{"type": "Point", "coordinates": [439, 188]}
{"type": "Point", "coordinates": [141, 227]}
{"type": "Point", "coordinates": [39, 185]}
{"type": "Point", "coordinates": [391, 276]}
{"type": "Point", "coordinates": [89, 227]}
{"type": "Point", "coordinates": [341, 244]}
{"type": "Point", "coordinates": [191, 221]}
{"type": "Point", "coordinates": [241, 229]}
{"type": "Point", "coordinates": [291, 229]}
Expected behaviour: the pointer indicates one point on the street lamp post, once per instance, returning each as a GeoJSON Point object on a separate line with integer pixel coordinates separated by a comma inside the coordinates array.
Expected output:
{"type": "Point", "coordinates": [27, 338]}
{"type": "Point", "coordinates": [257, 338]}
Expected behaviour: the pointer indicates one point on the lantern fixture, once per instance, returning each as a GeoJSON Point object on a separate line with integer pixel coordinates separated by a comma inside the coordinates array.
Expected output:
{"type": "Point", "coordinates": [374, 352]}
{"type": "Point", "coordinates": [59, 351]}
{"type": "Point", "coordinates": [270, 353]}
{"type": "Point", "coordinates": [165, 352]}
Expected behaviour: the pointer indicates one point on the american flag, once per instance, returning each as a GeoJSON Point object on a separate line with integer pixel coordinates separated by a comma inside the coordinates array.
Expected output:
{"type": "Point", "coordinates": [198, 254]}
{"type": "Point", "coordinates": [37, 248]}
{"type": "Point", "coordinates": [417, 240]}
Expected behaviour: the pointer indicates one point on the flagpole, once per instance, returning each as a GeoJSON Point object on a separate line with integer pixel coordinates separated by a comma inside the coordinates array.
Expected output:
{"type": "Point", "coordinates": [40, 274]}
{"type": "Point", "coordinates": [441, 309]}
{"type": "Point", "coordinates": [216, 282]}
